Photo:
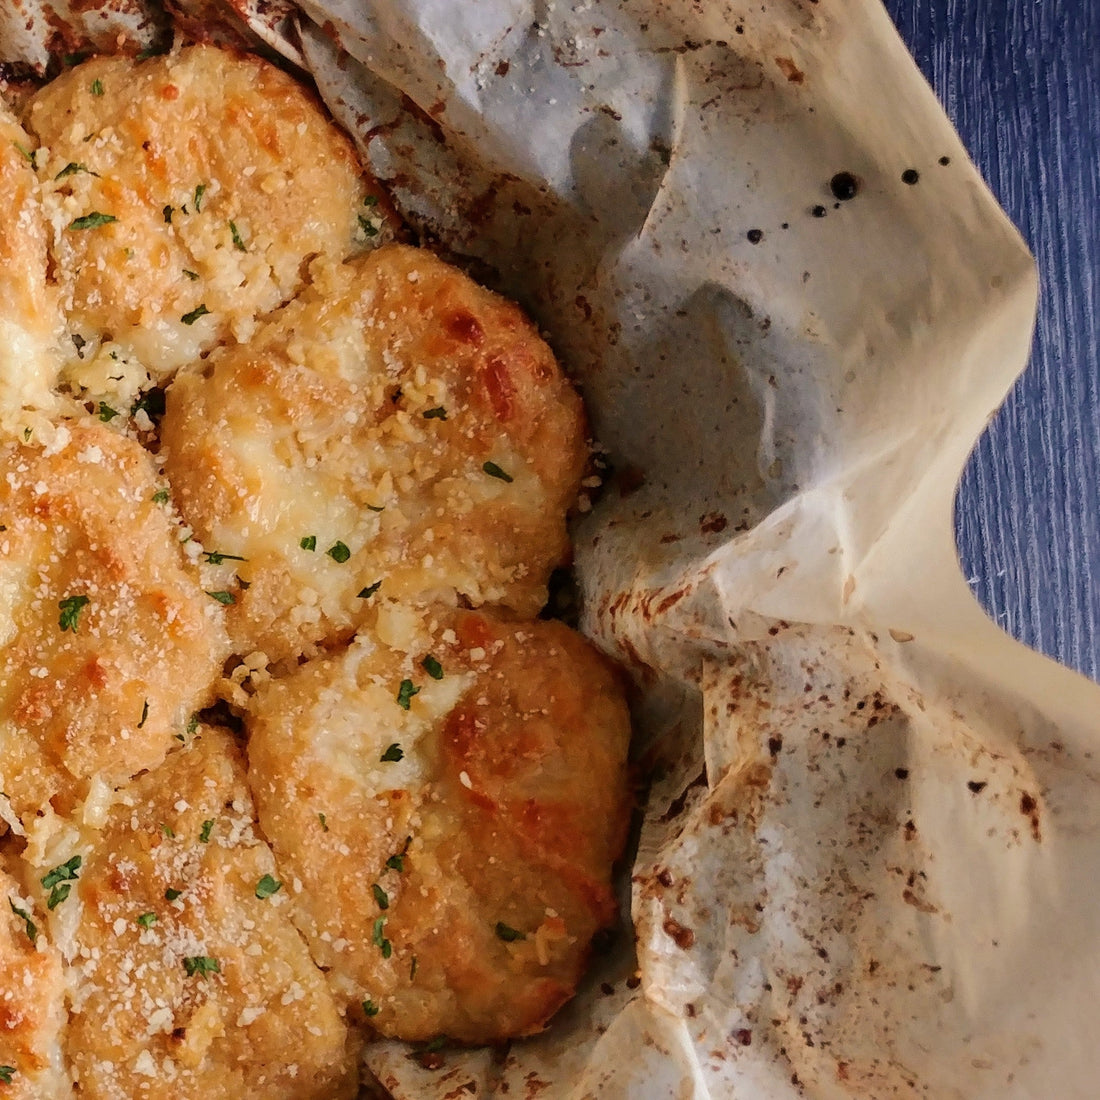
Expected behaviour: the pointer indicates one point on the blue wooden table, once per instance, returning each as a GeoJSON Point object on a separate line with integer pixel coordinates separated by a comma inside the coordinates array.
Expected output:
{"type": "Point", "coordinates": [1020, 79]}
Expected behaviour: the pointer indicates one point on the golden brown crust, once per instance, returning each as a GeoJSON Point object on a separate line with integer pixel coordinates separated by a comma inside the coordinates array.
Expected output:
{"type": "Point", "coordinates": [224, 178]}
{"type": "Point", "coordinates": [505, 813]}
{"type": "Point", "coordinates": [32, 1011]}
{"type": "Point", "coordinates": [254, 1017]}
{"type": "Point", "coordinates": [30, 322]}
{"type": "Point", "coordinates": [107, 642]}
{"type": "Point", "coordinates": [366, 414]}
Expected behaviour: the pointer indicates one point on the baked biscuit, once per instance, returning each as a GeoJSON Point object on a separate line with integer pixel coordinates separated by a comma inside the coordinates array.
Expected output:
{"type": "Point", "coordinates": [188, 979]}
{"type": "Point", "coordinates": [32, 1013]}
{"type": "Point", "coordinates": [186, 195]}
{"type": "Point", "coordinates": [397, 430]}
{"type": "Point", "coordinates": [450, 791]}
{"type": "Point", "coordinates": [30, 323]}
{"type": "Point", "coordinates": [107, 642]}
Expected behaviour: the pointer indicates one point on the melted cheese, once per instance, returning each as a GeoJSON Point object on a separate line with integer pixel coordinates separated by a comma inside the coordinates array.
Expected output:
{"type": "Point", "coordinates": [366, 416]}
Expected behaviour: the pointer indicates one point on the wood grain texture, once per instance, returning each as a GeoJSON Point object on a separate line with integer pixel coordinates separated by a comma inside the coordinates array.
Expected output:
{"type": "Point", "coordinates": [1020, 79]}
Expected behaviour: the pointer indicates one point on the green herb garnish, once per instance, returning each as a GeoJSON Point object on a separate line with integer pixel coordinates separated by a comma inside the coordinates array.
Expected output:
{"type": "Point", "coordinates": [379, 939]}
{"type": "Point", "coordinates": [92, 221]}
{"type": "Point", "coordinates": [29, 926]}
{"type": "Point", "coordinates": [432, 667]}
{"type": "Point", "coordinates": [493, 470]}
{"type": "Point", "coordinates": [338, 552]}
{"type": "Point", "coordinates": [216, 557]}
{"type": "Point", "coordinates": [196, 313]}
{"type": "Point", "coordinates": [71, 606]}
{"type": "Point", "coordinates": [201, 965]}
{"type": "Point", "coordinates": [405, 693]}
{"type": "Point", "coordinates": [392, 754]}
{"type": "Point", "coordinates": [267, 886]}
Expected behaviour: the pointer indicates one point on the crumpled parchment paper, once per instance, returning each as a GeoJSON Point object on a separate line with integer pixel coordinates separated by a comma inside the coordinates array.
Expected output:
{"type": "Point", "coordinates": [868, 857]}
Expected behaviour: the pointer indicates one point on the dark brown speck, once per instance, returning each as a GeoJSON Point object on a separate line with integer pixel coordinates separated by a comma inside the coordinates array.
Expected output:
{"type": "Point", "coordinates": [910, 176]}
{"type": "Point", "coordinates": [844, 186]}
{"type": "Point", "coordinates": [755, 236]}
{"type": "Point", "coordinates": [819, 211]}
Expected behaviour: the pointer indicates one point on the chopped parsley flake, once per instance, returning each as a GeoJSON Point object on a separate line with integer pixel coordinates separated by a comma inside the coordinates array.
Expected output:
{"type": "Point", "coordinates": [92, 221]}
{"type": "Point", "coordinates": [370, 200]}
{"type": "Point", "coordinates": [238, 244]}
{"type": "Point", "coordinates": [25, 152]}
{"type": "Point", "coordinates": [508, 934]}
{"type": "Point", "coordinates": [147, 920]}
{"type": "Point", "coordinates": [29, 926]}
{"type": "Point", "coordinates": [223, 597]}
{"type": "Point", "coordinates": [379, 939]}
{"type": "Point", "coordinates": [196, 313]}
{"type": "Point", "coordinates": [438, 1043]}
{"type": "Point", "coordinates": [438, 413]}
{"type": "Point", "coordinates": [58, 894]}
{"type": "Point", "coordinates": [97, 86]}
{"type": "Point", "coordinates": [368, 226]}
{"type": "Point", "coordinates": [405, 693]}
{"type": "Point", "coordinates": [324, 822]}
{"type": "Point", "coordinates": [192, 275]}
{"type": "Point", "coordinates": [366, 593]}
{"type": "Point", "coordinates": [432, 667]}
{"type": "Point", "coordinates": [206, 830]}
{"type": "Point", "coordinates": [380, 896]}
{"type": "Point", "coordinates": [72, 168]}
{"type": "Point", "coordinates": [493, 470]}
{"type": "Point", "coordinates": [160, 496]}
{"type": "Point", "coordinates": [338, 552]}
{"type": "Point", "coordinates": [201, 965]}
{"type": "Point", "coordinates": [216, 557]}
{"type": "Point", "coordinates": [168, 831]}
{"type": "Point", "coordinates": [192, 724]}
{"type": "Point", "coordinates": [396, 862]}
{"type": "Point", "coordinates": [71, 606]}
{"type": "Point", "coordinates": [63, 872]}
{"type": "Point", "coordinates": [267, 886]}
{"type": "Point", "coordinates": [370, 1008]}
{"type": "Point", "coordinates": [171, 894]}
{"type": "Point", "coordinates": [199, 192]}
{"type": "Point", "coordinates": [309, 542]}
{"type": "Point", "coordinates": [106, 413]}
{"type": "Point", "coordinates": [394, 753]}
{"type": "Point", "coordinates": [144, 713]}
{"type": "Point", "coordinates": [6, 1074]}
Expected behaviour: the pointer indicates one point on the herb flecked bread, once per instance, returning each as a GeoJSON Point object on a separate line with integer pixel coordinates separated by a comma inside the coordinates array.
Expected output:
{"type": "Point", "coordinates": [287, 760]}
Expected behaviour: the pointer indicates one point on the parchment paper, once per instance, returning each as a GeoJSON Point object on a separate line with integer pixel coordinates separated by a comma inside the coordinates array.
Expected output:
{"type": "Point", "coordinates": [868, 856]}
